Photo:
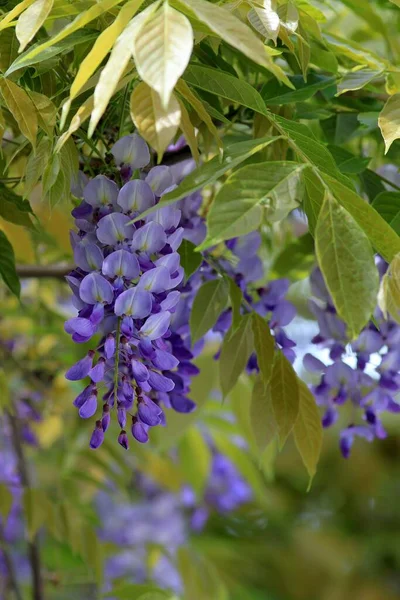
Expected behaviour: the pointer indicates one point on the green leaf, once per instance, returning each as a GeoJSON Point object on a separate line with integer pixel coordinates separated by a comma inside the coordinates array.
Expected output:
{"type": "Point", "coordinates": [132, 591]}
{"type": "Point", "coordinates": [156, 124]}
{"type": "Point", "coordinates": [185, 91]}
{"type": "Point", "coordinates": [6, 501]}
{"type": "Point", "coordinates": [296, 259]}
{"type": "Point", "coordinates": [79, 22]}
{"type": "Point", "coordinates": [36, 165]}
{"type": "Point", "coordinates": [387, 204]}
{"type": "Point", "coordinates": [236, 297]}
{"type": "Point", "coordinates": [162, 49]}
{"type": "Point", "coordinates": [284, 391]}
{"type": "Point", "coordinates": [225, 86]}
{"type": "Point", "coordinates": [380, 234]}
{"type": "Point", "coordinates": [190, 260]}
{"type": "Point", "coordinates": [307, 430]}
{"type": "Point", "coordinates": [273, 94]}
{"type": "Point", "coordinates": [50, 173]}
{"type": "Point", "coordinates": [237, 209]}
{"type": "Point", "coordinates": [347, 263]}
{"type": "Point", "coordinates": [116, 65]}
{"type": "Point", "coordinates": [195, 460]}
{"type": "Point", "coordinates": [355, 80]}
{"type": "Point", "coordinates": [389, 121]}
{"type": "Point", "coordinates": [92, 552]}
{"type": "Point", "coordinates": [8, 48]}
{"type": "Point", "coordinates": [35, 510]}
{"type": "Point", "coordinates": [21, 107]}
{"type": "Point", "coordinates": [347, 162]}
{"type": "Point", "coordinates": [235, 353]}
{"type": "Point", "coordinates": [237, 34]}
{"type": "Point", "coordinates": [264, 344]}
{"type": "Point", "coordinates": [208, 304]}
{"type": "Point", "coordinates": [7, 265]}
{"type": "Point", "coordinates": [31, 20]}
{"type": "Point", "coordinates": [262, 417]}
{"type": "Point", "coordinates": [389, 292]}
{"type": "Point", "coordinates": [14, 209]}
{"type": "Point", "coordinates": [27, 60]}
{"type": "Point", "coordinates": [212, 170]}
{"type": "Point", "coordinates": [5, 399]}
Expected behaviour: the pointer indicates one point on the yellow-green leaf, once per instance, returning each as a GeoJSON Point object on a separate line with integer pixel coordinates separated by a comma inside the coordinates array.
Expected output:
{"type": "Point", "coordinates": [6, 501]}
{"type": "Point", "coordinates": [262, 416]}
{"type": "Point", "coordinates": [307, 429]}
{"type": "Point", "coordinates": [389, 292]}
{"type": "Point", "coordinates": [235, 353]}
{"type": "Point", "coordinates": [13, 14]}
{"type": "Point", "coordinates": [265, 20]}
{"type": "Point", "coordinates": [156, 124]}
{"type": "Point", "coordinates": [31, 20]}
{"type": "Point", "coordinates": [195, 459]}
{"type": "Point", "coordinates": [346, 260]}
{"type": "Point", "coordinates": [265, 346]}
{"type": "Point", "coordinates": [116, 65]}
{"type": "Point", "coordinates": [237, 34]}
{"type": "Point", "coordinates": [188, 131]}
{"type": "Point", "coordinates": [214, 296]}
{"type": "Point", "coordinates": [21, 107]}
{"type": "Point", "coordinates": [284, 395]}
{"type": "Point", "coordinates": [162, 50]}
{"type": "Point", "coordinates": [36, 165]}
{"type": "Point", "coordinates": [80, 21]}
{"type": "Point", "coordinates": [46, 112]}
{"type": "Point", "coordinates": [35, 510]}
{"type": "Point", "coordinates": [389, 121]}
{"type": "Point", "coordinates": [102, 46]}
{"type": "Point", "coordinates": [185, 91]}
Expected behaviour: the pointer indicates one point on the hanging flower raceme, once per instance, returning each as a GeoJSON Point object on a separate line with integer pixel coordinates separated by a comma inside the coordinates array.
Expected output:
{"type": "Point", "coordinates": [363, 374]}
{"type": "Point", "coordinates": [125, 287]}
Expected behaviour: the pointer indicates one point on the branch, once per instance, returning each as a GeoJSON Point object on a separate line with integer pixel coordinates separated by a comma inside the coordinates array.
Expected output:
{"type": "Point", "coordinates": [43, 271]}
{"type": "Point", "coordinates": [33, 545]}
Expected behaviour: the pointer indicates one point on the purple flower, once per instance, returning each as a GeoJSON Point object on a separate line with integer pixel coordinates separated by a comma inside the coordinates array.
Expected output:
{"type": "Point", "coordinates": [131, 150]}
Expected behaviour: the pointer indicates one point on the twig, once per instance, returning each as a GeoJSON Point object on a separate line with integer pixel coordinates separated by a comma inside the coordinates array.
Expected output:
{"type": "Point", "coordinates": [33, 545]}
{"type": "Point", "coordinates": [12, 576]}
{"type": "Point", "coordinates": [42, 271]}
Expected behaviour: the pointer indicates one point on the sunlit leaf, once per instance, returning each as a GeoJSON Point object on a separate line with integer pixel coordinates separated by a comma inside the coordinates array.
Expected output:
{"type": "Point", "coordinates": [307, 430]}
{"type": "Point", "coordinates": [31, 20]}
{"type": "Point", "coordinates": [102, 46]}
{"type": "Point", "coordinates": [214, 296]}
{"type": "Point", "coordinates": [7, 265]}
{"type": "Point", "coordinates": [389, 293]}
{"type": "Point", "coordinates": [156, 124]}
{"type": "Point", "coordinates": [13, 14]}
{"type": "Point", "coordinates": [237, 34]}
{"type": "Point", "coordinates": [162, 50]}
{"type": "Point", "coordinates": [235, 353]}
{"type": "Point", "coordinates": [355, 80]}
{"type": "Point", "coordinates": [237, 208]}
{"type": "Point", "coordinates": [21, 107]}
{"type": "Point", "coordinates": [284, 390]}
{"type": "Point", "coordinates": [189, 132]}
{"type": "Point", "coordinates": [265, 20]}
{"type": "Point", "coordinates": [389, 121]}
{"type": "Point", "coordinates": [347, 263]}
{"type": "Point", "coordinates": [116, 65]}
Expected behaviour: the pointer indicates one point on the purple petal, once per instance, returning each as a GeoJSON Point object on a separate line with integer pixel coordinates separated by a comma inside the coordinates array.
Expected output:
{"type": "Point", "coordinates": [176, 278]}
{"type": "Point", "coordinates": [131, 150]}
{"type": "Point", "coordinates": [100, 191]}
{"type": "Point", "coordinates": [139, 370]}
{"type": "Point", "coordinates": [247, 245]}
{"type": "Point", "coordinates": [88, 257]}
{"type": "Point", "coordinates": [121, 416]}
{"type": "Point", "coordinates": [170, 261]}
{"type": "Point", "coordinates": [170, 301]}
{"type": "Point", "coordinates": [97, 373]}
{"type": "Point", "coordinates": [159, 179]}
{"type": "Point", "coordinates": [81, 369]}
{"type": "Point", "coordinates": [139, 431]}
{"type": "Point", "coordinates": [164, 361]}
{"type": "Point", "coordinates": [94, 288]}
{"type": "Point", "coordinates": [82, 327]}
{"type": "Point", "coordinates": [149, 411]}
{"type": "Point", "coordinates": [156, 280]}
{"type": "Point", "coordinates": [156, 326]}
{"type": "Point", "coordinates": [181, 403]}
{"type": "Point", "coordinates": [78, 183]}
{"type": "Point", "coordinates": [136, 196]}
{"type": "Point", "coordinates": [109, 346]}
{"type": "Point", "coordinates": [105, 419]}
{"type": "Point", "coordinates": [84, 395]}
{"type": "Point", "coordinates": [313, 364]}
{"type": "Point", "coordinates": [160, 383]}
{"type": "Point", "coordinates": [175, 239]}
{"type": "Point", "coordinates": [123, 440]}
{"type": "Point", "coordinates": [150, 238]}
{"type": "Point", "coordinates": [97, 314]}
{"type": "Point", "coordinates": [134, 302]}
{"type": "Point", "coordinates": [121, 263]}
{"type": "Point", "coordinates": [166, 216]}
{"type": "Point", "coordinates": [89, 407]}
{"type": "Point", "coordinates": [97, 436]}
{"type": "Point", "coordinates": [114, 228]}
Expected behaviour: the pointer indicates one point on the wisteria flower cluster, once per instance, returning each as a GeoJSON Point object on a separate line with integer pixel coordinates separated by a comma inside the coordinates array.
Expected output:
{"type": "Point", "coordinates": [363, 374]}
